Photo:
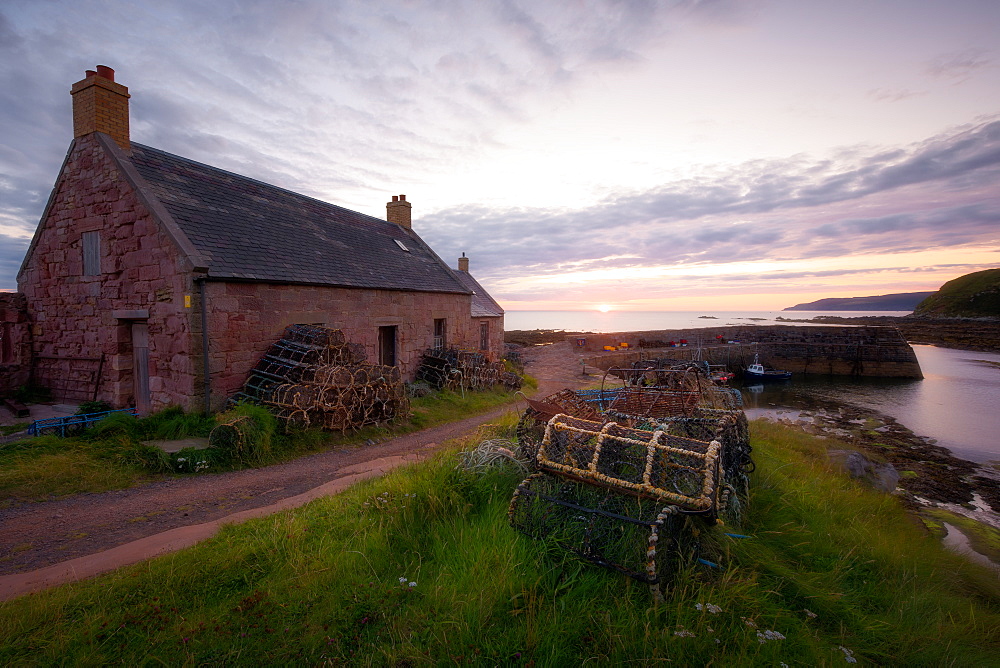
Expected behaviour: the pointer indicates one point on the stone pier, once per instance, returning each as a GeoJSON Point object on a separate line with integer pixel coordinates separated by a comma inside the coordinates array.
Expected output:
{"type": "Point", "coordinates": [829, 350]}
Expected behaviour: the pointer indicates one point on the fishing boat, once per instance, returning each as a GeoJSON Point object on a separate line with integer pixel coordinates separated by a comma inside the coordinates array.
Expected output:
{"type": "Point", "coordinates": [756, 371]}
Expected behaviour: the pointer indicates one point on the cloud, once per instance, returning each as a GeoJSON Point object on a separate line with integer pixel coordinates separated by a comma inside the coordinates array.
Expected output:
{"type": "Point", "coordinates": [893, 94]}
{"type": "Point", "coordinates": [759, 210]}
{"type": "Point", "coordinates": [957, 66]}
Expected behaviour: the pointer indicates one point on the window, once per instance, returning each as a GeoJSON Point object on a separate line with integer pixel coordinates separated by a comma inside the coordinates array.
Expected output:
{"type": "Point", "coordinates": [484, 335]}
{"type": "Point", "coordinates": [440, 340]}
{"type": "Point", "coordinates": [91, 243]}
{"type": "Point", "coordinates": [387, 345]}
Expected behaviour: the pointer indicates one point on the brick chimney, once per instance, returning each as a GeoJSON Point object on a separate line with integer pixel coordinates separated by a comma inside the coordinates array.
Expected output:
{"type": "Point", "coordinates": [398, 211]}
{"type": "Point", "coordinates": [101, 105]}
{"type": "Point", "coordinates": [463, 263]}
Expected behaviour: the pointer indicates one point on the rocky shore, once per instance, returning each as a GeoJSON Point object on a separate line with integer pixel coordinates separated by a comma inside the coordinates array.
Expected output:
{"type": "Point", "coordinates": [928, 474]}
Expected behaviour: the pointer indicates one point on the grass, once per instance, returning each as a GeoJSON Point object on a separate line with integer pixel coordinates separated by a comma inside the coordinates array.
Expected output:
{"type": "Point", "coordinates": [6, 429]}
{"type": "Point", "coordinates": [112, 454]}
{"type": "Point", "coordinates": [39, 468]}
{"type": "Point", "coordinates": [831, 571]}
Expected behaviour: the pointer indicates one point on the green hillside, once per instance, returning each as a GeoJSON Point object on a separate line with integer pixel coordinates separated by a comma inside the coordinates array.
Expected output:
{"type": "Point", "coordinates": [974, 295]}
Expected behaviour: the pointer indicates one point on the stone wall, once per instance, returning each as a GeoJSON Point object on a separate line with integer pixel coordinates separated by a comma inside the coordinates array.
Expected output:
{"type": "Point", "coordinates": [833, 350]}
{"type": "Point", "coordinates": [244, 319]}
{"type": "Point", "coordinates": [74, 329]}
{"type": "Point", "coordinates": [15, 342]}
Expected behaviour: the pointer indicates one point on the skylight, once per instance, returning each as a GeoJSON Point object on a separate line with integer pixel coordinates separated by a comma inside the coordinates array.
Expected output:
{"type": "Point", "coordinates": [400, 244]}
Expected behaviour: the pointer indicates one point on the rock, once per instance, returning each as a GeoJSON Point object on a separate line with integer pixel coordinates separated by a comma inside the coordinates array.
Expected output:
{"type": "Point", "coordinates": [881, 476]}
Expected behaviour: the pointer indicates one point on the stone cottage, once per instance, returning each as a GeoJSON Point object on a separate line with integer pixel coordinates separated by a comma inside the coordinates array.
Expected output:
{"type": "Point", "coordinates": [155, 280]}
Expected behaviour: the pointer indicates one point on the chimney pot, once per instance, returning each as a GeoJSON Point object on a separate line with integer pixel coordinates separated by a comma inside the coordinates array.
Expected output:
{"type": "Point", "coordinates": [398, 211]}
{"type": "Point", "coordinates": [463, 263]}
{"type": "Point", "coordinates": [101, 105]}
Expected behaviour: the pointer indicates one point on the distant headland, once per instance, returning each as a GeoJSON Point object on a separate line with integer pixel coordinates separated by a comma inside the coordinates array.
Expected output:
{"type": "Point", "coordinates": [903, 301]}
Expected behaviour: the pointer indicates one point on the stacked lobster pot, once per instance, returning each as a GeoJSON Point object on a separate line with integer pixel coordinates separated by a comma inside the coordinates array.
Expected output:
{"type": "Point", "coordinates": [313, 376]}
{"type": "Point", "coordinates": [459, 369]}
{"type": "Point", "coordinates": [624, 475]}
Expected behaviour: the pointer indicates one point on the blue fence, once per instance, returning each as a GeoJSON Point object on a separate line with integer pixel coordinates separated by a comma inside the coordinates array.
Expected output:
{"type": "Point", "coordinates": [71, 424]}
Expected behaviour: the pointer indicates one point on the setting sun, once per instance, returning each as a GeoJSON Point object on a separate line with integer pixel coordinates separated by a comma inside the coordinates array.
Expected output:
{"type": "Point", "coordinates": [603, 308]}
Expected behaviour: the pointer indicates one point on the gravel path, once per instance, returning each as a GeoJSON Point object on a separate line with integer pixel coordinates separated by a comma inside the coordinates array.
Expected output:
{"type": "Point", "coordinates": [43, 534]}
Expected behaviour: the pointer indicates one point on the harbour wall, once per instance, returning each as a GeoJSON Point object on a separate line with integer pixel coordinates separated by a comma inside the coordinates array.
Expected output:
{"type": "Point", "coordinates": [828, 350]}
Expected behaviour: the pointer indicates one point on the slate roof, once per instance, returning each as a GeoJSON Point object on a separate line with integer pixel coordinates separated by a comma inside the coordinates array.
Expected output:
{"type": "Point", "coordinates": [483, 305]}
{"type": "Point", "coordinates": [249, 230]}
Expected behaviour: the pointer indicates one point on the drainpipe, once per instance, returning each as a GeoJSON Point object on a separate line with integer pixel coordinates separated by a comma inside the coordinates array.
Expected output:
{"type": "Point", "coordinates": [204, 344]}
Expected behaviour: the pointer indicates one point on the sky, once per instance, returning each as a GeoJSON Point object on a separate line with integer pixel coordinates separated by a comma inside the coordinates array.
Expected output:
{"type": "Point", "coordinates": [636, 155]}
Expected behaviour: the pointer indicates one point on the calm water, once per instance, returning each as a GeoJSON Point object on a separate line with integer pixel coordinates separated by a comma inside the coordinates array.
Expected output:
{"type": "Point", "coordinates": [637, 321]}
{"type": "Point", "coordinates": [957, 403]}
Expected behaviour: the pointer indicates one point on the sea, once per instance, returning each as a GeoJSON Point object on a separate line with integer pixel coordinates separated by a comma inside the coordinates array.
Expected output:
{"type": "Point", "coordinates": [957, 403]}
{"type": "Point", "coordinates": [640, 321]}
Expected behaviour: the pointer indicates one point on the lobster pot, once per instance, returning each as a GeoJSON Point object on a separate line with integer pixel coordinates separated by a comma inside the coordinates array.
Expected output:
{"type": "Point", "coordinates": [298, 354]}
{"type": "Point", "coordinates": [655, 402]}
{"type": "Point", "coordinates": [729, 427]}
{"type": "Point", "coordinates": [511, 381]}
{"type": "Point", "coordinates": [627, 534]}
{"type": "Point", "coordinates": [434, 369]}
{"type": "Point", "coordinates": [337, 419]}
{"type": "Point", "coordinates": [722, 398]}
{"type": "Point", "coordinates": [258, 386]}
{"type": "Point", "coordinates": [295, 416]}
{"type": "Point", "coordinates": [671, 469]}
{"type": "Point", "coordinates": [314, 376]}
{"type": "Point", "coordinates": [302, 397]}
{"type": "Point", "coordinates": [345, 355]}
{"type": "Point", "coordinates": [314, 336]}
{"type": "Point", "coordinates": [282, 369]}
{"type": "Point", "coordinates": [333, 397]}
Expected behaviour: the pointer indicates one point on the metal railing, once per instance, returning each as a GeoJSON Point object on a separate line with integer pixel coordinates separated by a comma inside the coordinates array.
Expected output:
{"type": "Point", "coordinates": [71, 424]}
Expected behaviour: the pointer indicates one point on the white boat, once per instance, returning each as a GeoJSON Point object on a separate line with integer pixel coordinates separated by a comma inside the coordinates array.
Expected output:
{"type": "Point", "coordinates": [756, 371]}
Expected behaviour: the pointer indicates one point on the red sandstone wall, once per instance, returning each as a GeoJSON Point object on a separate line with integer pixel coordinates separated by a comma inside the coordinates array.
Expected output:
{"type": "Point", "coordinates": [15, 342]}
{"type": "Point", "coordinates": [72, 313]}
{"type": "Point", "coordinates": [244, 319]}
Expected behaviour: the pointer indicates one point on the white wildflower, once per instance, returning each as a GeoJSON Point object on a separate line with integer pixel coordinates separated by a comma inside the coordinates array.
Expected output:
{"type": "Point", "coordinates": [402, 580]}
{"type": "Point", "coordinates": [848, 655]}
{"type": "Point", "coordinates": [763, 637]}
{"type": "Point", "coordinates": [413, 584]}
{"type": "Point", "coordinates": [809, 613]}
{"type": "Point", "coordinates": [749, 622]}
{"type": "Point", "coordinates": [684, 633]}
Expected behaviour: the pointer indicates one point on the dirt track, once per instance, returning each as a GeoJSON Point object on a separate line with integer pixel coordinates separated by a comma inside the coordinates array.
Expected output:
{"type": "Point", "coordinates": [42, 534]}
